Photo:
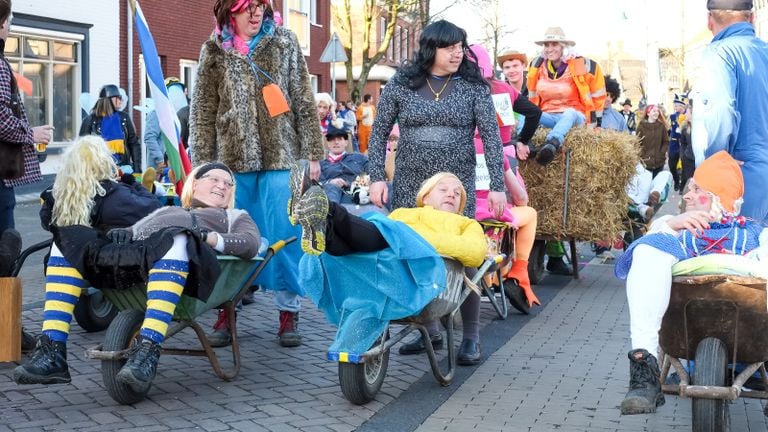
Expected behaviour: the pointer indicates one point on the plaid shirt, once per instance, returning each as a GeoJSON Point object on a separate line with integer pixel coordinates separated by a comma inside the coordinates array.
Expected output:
{"type": "Point", "coordinates": [16, 129]}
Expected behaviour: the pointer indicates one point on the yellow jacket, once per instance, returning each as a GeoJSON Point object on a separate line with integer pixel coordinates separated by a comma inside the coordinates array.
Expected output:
{"type": "Point", "coordinates": [588, 78]}
{"type": "Point", "coordinates": [452, 235]}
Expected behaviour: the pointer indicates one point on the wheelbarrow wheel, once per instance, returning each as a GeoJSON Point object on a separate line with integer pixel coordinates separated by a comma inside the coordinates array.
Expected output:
{"type": "Point", "coordinates": [710, 414]}
{"type": "Point", "coordinates": [121, 334]}
{"type": "Point", "coordinates": [93, 312]}
{"type": "Point", "coordinates": [360, 382]}
{"type": "Point", "coordinates": [536, 262]}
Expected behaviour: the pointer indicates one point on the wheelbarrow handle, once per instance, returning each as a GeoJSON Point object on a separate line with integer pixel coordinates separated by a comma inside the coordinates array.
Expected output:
{"type": "Point", "coordinates": [276, 246]}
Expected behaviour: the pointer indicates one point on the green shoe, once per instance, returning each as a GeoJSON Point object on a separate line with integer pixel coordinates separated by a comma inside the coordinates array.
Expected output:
{"type": "Point", "coordinates": [299, 182]}
{"type": "Point", "coordinates": [312, 212]}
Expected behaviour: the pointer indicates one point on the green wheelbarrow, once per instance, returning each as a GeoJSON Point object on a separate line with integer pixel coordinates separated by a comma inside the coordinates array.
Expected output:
{"type": "Point", "coordinates": [237, 276]}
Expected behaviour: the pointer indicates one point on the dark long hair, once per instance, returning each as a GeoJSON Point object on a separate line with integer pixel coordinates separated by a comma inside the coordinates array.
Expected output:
{"type": "Point", "coordinates": [440, 34]}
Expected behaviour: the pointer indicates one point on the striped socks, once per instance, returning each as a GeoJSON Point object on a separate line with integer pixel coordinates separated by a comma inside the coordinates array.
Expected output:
{"type": "Point", "coordinates": [63, 286]}
{"type": "Point", "coordinates": [166, 283]}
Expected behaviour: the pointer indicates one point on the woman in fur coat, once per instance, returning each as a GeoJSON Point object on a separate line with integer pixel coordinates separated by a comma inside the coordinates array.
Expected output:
{"type": "Point", "coordinates": [248, 63]}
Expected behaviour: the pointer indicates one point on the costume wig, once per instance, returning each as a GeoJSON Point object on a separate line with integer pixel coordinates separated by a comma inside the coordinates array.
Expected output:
{"type": "Point", "coordinates": [86, 163]}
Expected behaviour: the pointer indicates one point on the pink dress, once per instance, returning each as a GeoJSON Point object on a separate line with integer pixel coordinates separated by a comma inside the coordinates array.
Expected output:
{"type": "Point", "coordinates": [481, 211]}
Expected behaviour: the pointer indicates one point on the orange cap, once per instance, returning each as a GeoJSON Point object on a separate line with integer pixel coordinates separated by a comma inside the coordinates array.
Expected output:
{"type": "Point", "coordinates": [721, 175]}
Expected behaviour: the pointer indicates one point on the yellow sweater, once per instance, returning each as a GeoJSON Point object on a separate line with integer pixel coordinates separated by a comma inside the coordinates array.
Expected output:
{"type": "Point", "coordinates": [452, 235]}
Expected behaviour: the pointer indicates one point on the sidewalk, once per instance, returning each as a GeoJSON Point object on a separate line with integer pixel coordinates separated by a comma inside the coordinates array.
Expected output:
{"type": "Point", "coordinates": [567, 369]}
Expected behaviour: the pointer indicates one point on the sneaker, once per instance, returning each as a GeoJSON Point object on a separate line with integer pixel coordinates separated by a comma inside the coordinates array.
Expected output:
{"type": "Point", "coordinates": [644, 393]}
{"type": "Point", "coordinates": [559, 267]}
{"type": "Point", "coordinates": [416, 345]}
{"type": "Point", "coordinates": [141, 367]}
{"type": "Point", "coordinates": [47, 365]}
{"type": "Point", "coordinates": [312, 212]}
{"type": "Point", "coordinates": [10, 249]}
{"type": "Point", "coordinates": [299, 181]}
{"type": "Point", "coordinates": [289, 329]}
{"type": "Point", "coordinates": [221, 336]}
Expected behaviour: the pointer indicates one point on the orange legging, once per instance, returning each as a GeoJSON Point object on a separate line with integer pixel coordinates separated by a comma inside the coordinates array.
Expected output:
{"type": "Point", "coordinates": [363, 134]}
{"type": "Point", "coordinates": [525, 219]}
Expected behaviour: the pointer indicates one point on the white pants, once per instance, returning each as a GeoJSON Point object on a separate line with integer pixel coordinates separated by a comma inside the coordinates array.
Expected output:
{"type": "Point", "coordinates": [649, 284]}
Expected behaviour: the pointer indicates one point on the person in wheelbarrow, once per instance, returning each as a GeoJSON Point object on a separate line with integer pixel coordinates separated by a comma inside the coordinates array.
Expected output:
{"type": "Point", "coordinates": [172, 251]}
{"type": "Point", "coordinates": [710, 225]}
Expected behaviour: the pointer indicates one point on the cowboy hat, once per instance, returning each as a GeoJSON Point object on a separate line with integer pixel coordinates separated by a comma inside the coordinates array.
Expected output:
{"type": "Point", "coordinates": [512, 55]}
{"type": "Point", "coordinates": [555, 34]}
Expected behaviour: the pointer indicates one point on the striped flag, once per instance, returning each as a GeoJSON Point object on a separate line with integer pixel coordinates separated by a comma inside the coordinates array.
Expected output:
{"type": "Point", "coordinates": [166, 114]}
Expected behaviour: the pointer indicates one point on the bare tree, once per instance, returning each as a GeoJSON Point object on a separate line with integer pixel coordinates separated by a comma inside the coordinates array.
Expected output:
{"type": "Point", "coordinates": [489, 12]}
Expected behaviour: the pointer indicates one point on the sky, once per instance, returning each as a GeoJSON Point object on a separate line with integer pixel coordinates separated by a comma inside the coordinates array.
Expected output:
{"type": "Point", "coordinates": [636, 23]}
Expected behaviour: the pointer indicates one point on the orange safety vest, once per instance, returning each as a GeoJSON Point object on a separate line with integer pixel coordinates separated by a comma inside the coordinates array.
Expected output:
{"type": "Point", "coordinates": [588, 78]}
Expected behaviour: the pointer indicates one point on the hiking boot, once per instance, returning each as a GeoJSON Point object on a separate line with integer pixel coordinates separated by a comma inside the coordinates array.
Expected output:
{"type": "Point", "coordinates": [469, 353]}
{"type": "Point", "coordinates": [644, 393]}
{"type": "Point", "coordinates": [289, 329]}
{"type": "Point", "coordinates": [547, 152]}
{"type": "Point", "coordinates": [28, 341]}
{"type": "Point", "coordinates": [47, 365]}
{"type": "Point", "coordinates": [299, 181]}
{"type": "Point", "coordinates": [221, 335]}
{"type": "Point", "coordinates": [654, 198]}
{"type": "Point", "coordinates": [559, 267]}
{"type": "Point", "coordinates": [10, 249]}
{"type": "Point", "coordinates": [312, 212]}
{"type": "Point", "coordinates": [416, 345]}
{"type": "Point", "coordinates": [141, 367]}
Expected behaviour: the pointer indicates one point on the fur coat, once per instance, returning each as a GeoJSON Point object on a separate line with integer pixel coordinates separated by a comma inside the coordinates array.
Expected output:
{"type": "Point", "coordinates": [229, 121]}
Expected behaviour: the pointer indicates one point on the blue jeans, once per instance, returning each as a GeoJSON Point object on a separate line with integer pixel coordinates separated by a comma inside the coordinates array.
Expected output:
{"type": "Point", "coordinates": [561, 123]}
{"type": "Point", "coordinates": [265, 194]}
{"type": "Point", "coordinates": [7, 204]}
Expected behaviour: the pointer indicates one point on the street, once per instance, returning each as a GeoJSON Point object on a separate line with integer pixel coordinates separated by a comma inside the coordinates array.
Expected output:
{"type": "Point", "coordinates": [562, 368]}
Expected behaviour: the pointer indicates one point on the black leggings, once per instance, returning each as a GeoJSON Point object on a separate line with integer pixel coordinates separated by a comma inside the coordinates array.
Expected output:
{"type": "Point", "coordinates": [347, 233]}
{"type": "Point", "coordinates": [674, 158]}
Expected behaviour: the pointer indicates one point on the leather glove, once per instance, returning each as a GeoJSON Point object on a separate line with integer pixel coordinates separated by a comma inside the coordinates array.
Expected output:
{"type": "Point", "coordinates": [120, 235]}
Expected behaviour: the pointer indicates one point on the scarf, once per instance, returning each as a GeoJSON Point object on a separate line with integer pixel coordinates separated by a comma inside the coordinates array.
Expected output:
{"type": "Point", "coordinates": [112, 132]}
{"type": "Point", "coordinates": [230, 40]}
{"type": "Point", "coordinates": [336, 159]}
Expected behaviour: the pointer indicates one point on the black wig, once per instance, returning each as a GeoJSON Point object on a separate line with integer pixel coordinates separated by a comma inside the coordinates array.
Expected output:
{"type": "Point", "coordinates": [612, 88]}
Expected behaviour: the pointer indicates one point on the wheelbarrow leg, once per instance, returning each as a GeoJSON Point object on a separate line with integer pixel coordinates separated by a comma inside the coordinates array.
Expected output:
{"type": "Point", "coordinates": [574, 258]}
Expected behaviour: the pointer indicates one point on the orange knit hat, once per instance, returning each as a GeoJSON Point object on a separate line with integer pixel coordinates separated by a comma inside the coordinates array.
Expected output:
{"type": "Point", "coordinates": [721, 175]}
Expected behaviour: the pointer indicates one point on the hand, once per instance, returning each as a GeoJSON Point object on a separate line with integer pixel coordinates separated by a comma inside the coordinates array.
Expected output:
{"type": "Point", "coordinates": [120, 235]}
{"type": "Point", "coordinates": [339, 182]}
{"type": "Point", "coordinates": [378, 193]}
{"type": "Point", "coordinates": [42, 134]}
{"type": "Point", "coordinates": [497, 202]}
{"type": "Point", "coordinates": [522, 151]}
{"type": "Point", "coordinates": [314, 170]}
{"type": "Point", "coordinates": [695, 221]}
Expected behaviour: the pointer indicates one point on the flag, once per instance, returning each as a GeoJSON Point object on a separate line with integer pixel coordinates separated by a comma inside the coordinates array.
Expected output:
{"type": "Point", "coordinates": [170, 126]}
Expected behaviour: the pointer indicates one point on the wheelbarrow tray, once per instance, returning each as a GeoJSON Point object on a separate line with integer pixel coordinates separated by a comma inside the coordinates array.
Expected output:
{"type": "Point", "coordinates": [730, 308]}
{"type": "Point", "coordinates": [235, 272]}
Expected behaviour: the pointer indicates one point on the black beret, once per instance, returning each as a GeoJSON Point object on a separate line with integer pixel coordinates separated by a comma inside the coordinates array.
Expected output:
{"type": "Point", "coordinates": [729, 4]}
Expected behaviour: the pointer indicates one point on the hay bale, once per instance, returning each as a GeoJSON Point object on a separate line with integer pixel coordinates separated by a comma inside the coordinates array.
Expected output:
{"type": "Point", "coordinates": [602, 164]}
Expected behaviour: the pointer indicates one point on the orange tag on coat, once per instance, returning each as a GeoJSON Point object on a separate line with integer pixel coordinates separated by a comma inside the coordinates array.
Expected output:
{"type": "Point", "coordinates": [274, 99]}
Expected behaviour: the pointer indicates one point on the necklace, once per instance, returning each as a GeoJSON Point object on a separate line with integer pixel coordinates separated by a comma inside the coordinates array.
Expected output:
{"type": "Point", "coordinates": [442, 89]}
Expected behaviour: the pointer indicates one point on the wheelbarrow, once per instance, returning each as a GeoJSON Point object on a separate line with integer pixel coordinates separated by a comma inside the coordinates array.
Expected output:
{"type": "Point", "coordinates": [361, 376]}
{"type": "Point", "coordinates": [715, 320]}
{"type": "Point", "coordinates": [237, 276]}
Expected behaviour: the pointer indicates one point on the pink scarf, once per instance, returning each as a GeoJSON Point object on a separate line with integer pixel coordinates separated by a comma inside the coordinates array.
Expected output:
{"type": "Point", "coordinates": [336, 159]}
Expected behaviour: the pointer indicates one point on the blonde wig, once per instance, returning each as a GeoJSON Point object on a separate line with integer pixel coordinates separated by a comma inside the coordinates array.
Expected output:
{"type": "Point", "coordinates": [430, 184]}
{"type": "Point", "coordinates": [187, 193]}
{"type": "Point", "coordinates": [86, 163]}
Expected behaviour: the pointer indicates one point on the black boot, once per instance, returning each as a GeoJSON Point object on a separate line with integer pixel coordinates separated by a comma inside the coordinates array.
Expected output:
{"type": "Point", "coordinates": [141, 367]}
{"type": "Point", "coordinates": [10, 249]}
{"type": "Point", "coordinates": [28, 341]}
{"type": "Point", "coordinates": [47, 365]}
{"type": "Point", "coordinates": [548, 151]}
{"type": "Point", "coordinates": [469, 353]}
{"type": "Point", "coordinates": [556, 265]}
{"type": "Point", "coordinates": [416, 345]}
{"type": "Point", "coordinates": [644, 393]}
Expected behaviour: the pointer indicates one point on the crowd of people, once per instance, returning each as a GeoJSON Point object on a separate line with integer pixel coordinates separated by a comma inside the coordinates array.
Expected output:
{"type": "Point", "coordinates": [438, 150]}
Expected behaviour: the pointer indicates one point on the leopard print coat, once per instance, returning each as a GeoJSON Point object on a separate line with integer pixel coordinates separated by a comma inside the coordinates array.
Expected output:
{"type": "Point", "coordinates": [229, 121]}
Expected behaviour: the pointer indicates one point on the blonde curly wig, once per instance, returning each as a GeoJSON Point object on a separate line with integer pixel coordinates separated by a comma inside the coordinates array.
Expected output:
{"type": "Point", "coordinates": [86, 163]}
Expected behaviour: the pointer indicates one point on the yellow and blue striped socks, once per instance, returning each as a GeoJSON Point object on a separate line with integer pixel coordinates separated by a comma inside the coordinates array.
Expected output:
{"type": "Point", "coordinates": [63, 286]}
{"type": "Point", "coordinates": [166, 283]}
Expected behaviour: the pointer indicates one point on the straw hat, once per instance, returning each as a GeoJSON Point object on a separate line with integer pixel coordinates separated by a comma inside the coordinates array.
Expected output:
{"type": "Point", "coordinates": [512, 55]}
{"type": "Point", "coordinates": [555, 34]}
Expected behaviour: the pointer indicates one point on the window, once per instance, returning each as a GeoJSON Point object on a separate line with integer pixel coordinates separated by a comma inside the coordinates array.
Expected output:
{"type": "Point", "coordinates": [382, 29]}
{"type": "Point", "coordinates": [299, 12]}
{"type": "Point", "coordinates": [188, 74]}
{"type": "Point", "coordinates": [396, 43]}
{"type": "Point", "coordinates": [52, 66]}
{"type": "Point", "coordinates": [406, 45]}
{"type": "Point", "coordinates": [313, 83]}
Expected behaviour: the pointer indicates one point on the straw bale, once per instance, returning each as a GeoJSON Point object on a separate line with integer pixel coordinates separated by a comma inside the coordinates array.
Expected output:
{"type": "Point", "coordinates": [601, 165]}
